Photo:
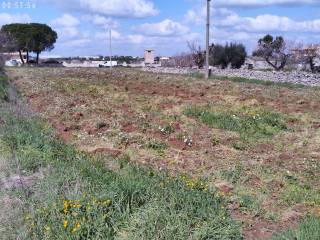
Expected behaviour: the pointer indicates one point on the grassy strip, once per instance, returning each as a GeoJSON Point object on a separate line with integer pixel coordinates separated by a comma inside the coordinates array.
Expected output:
{"type": "Point", "coordinates": [3, 88]}
{"type": "Point", "coordinates": [258, 81]}
{"type": "Point", "coordinates": [249, 123]}
{"type": "Point", "coordinates": [79, 198]}
{"type": "Point", "coordinates": [308, 229]}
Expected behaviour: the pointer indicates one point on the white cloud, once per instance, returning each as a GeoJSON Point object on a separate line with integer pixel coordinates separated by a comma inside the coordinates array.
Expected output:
{"type": "Point", "coordinates": [263, 3]}
{"type": "Point", "coordinates": [165, 28]}
{"type": "Point", "coordinates": [6, 18]}
{"type": "Point", "coordinates": [67, 32]}
{"type": "Point", "coordinates": [104, 36]}
{"type": "Point", "coordinates": [66, 20]}
{"type": "Point", "coordinates": [258, 3]}
{"type": "Point", "coordinates": [222, 17]}
{"type": "Point", "coordinates": [102, 21]}
{"type": "Point", "coordinates": [66, 27]}
{"type": "Point", "coordinates": [77, 42]}
{"type": "Point", "coordinates": [136, 38]}
{"type": "Point", "coordinates": [110, 8]}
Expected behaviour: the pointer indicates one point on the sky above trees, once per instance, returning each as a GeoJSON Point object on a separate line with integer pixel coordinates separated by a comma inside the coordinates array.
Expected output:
{"type": "Point", "coordinates": [163, 25]}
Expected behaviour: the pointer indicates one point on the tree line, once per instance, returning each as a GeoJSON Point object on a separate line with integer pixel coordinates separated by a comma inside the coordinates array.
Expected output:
{"type": "Point", "coordinates": [27, 38]}
{"type": "Point", "coordinates": [275, 51]}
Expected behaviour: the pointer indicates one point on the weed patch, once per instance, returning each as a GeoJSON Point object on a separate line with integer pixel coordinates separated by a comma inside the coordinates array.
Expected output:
{"type": "Point", "coordinates": [233, 174]}
{"type": "Point", "coordinates": [3, 88]}
{"type": "Point", "coordinates": [250, 124]}
{"type": "Point", "coordinates": [257, 81]}
{"type": "Point", "coordinates": [308, 229]}
{"type": "Point", "coordinates": [81, 199]}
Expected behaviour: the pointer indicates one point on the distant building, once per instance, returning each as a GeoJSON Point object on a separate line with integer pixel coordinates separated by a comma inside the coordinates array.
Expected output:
{"type": "Point", "coordinates": [108, 64]}
{"type": "Point", "coordinates": [149, 56]}
{"type": "Point", "coordinates": [91, 57]}
{"type": "Point", "coordinates": [88, 63]}
{"type": "Point", "coordinates": [14, 56]}
{"type": "Point", "coordinates": [257, 63]}
{"type": "Point", "coordinates": [164, 61]}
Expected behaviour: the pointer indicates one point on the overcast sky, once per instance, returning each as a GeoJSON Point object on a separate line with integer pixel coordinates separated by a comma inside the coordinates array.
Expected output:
{"type": "Point", "coordinates": [164, 25]}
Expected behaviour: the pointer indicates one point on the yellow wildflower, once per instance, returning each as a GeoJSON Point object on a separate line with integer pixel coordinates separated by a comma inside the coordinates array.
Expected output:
{"type": "Point", "coordinates": [65, 223]}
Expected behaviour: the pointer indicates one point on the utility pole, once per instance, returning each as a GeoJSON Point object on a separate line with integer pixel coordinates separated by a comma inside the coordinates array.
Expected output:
{"type": "Point", "coordinates": [110, 47]}
{"type": "Point", "coordinates": [207, 39]}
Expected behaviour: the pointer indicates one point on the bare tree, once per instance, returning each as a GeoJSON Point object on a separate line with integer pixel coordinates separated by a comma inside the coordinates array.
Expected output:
{"type": "Point", "coordinates": [197, 53]}
{"type": "Point", "coordinates": [307, 56]}
{"type": "Point", "coordinates": [182, 60]}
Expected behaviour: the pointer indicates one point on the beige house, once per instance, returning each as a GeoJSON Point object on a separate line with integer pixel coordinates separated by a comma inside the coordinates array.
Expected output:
{"type": "Point", "coordinates": [149, 56]}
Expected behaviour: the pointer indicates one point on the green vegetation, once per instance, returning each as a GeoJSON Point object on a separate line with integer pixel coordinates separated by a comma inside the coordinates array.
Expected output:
{"type": "Point", "coordinates": [258, 81]}
{"type": "Point", "coordinates": [79, 198]}
{"type": "Point", "coordinates": [3, 88]}
{"type": "Point", "coordinates": [233, 54]}
{"type": "Point", "coordinates": [233, 174]}
{"type": "Point", "coordinates": [273, 50]}
{"type": "Point", "coordinates": [309, 229]}
{"type": "Point", "coordinates": [275, 178]}
{"type": "Point", "coordinates": [250, 123]}
{"type": "Point", "coordinates": [31, 37]}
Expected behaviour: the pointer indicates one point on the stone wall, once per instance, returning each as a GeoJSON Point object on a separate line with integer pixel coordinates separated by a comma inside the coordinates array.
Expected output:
{"type": "Point", "coordinates": [298, 77]}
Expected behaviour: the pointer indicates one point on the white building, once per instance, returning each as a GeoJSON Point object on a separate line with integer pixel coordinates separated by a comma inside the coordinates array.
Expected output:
{"type": "Point", "coordinates": [89, 64]}
{"type": "Point", "coordinates": [149, 56]}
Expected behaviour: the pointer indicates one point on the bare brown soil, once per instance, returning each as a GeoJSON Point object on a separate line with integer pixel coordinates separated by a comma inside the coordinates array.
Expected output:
{"type": "Point", "coordinates": [122, 112]}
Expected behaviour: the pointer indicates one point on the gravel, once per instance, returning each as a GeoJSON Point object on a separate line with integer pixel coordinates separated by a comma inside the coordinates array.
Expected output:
{"type": "Point", "coordinates": [296, 77]}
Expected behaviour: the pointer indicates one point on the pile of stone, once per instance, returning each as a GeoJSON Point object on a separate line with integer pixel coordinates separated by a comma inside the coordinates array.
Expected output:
{"type": "Point", "coordinates": [296, 77]}
{"type": "Point", "coordinates": [170, 70]}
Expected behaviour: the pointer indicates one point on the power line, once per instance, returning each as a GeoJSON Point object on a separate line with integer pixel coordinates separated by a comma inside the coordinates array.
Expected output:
{"type": "Point", "coordinates": [110, 47]}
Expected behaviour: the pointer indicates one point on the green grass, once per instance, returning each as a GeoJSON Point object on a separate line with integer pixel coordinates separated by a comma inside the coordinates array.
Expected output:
{"type": "Point", "coordinates": [82, 199]}
{"type": "Point", "coordinates": [251, 124]}
{"type": "Point", "coordinates": [258, 81]}
{"type": "Point", "coordinates": [3, 88]}
{"type": "Point", "coordinates": [309, 229]}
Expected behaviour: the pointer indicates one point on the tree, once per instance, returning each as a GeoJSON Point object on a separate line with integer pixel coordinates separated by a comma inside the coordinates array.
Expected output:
{"type": "Point", "coordinates": [181, 60]}
{"type": "Point", "coordinates": [307, 56]}
{"type": "Point", "coordinates": [43, 38]}
{"type": "Point", "coordinates": [197, 53]}
{"type": "Point", "coordinates": [234, 54]}
{"type": "Point", "coordinates": [21, 34]}
{"type": "Point", "coordinates": [32, 37]}
{"type": "Point", "coordinates": [274, 51]}
{"type": "Point", "coordinates": [6, 45]}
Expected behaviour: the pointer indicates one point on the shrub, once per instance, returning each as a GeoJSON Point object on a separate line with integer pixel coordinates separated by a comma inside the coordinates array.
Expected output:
{"type": "Point", "coordinates": [232, 54]}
